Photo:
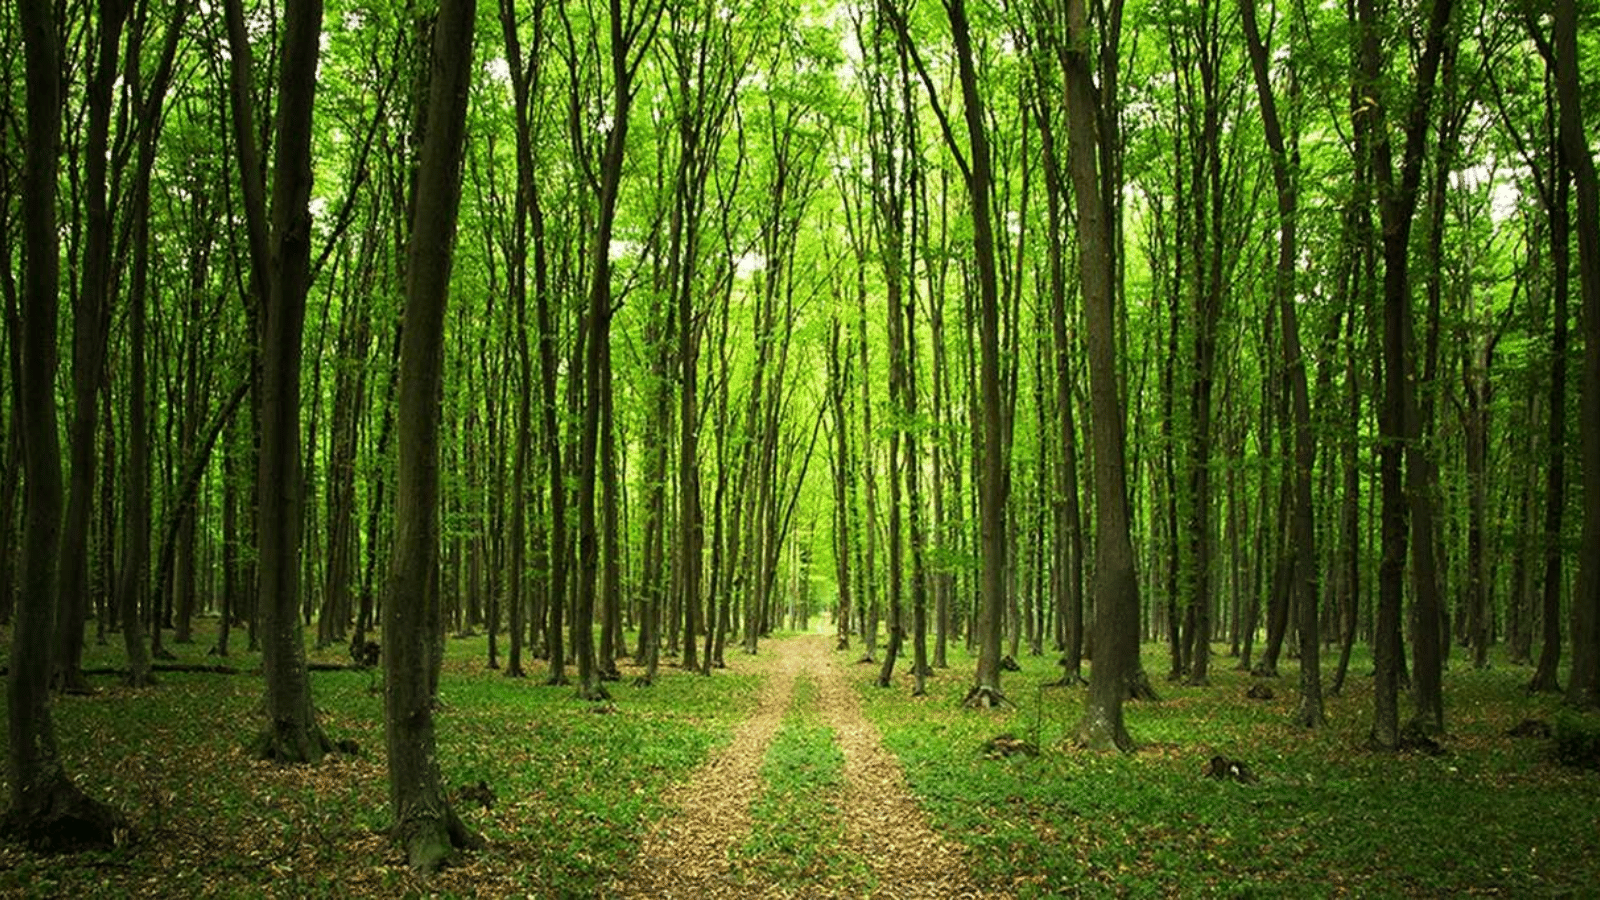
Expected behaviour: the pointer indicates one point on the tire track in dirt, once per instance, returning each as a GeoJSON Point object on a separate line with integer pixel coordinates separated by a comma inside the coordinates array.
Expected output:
{"type": "Point", "coordinates": [883, 823]}
{"type": "Point", "coordinates": [688, 854]}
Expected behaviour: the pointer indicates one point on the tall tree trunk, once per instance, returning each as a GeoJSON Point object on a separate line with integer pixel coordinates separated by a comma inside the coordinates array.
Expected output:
{"type": "Point", "coordinates": [291, 732]}
{"type": "Point", "coordinates": [1302, 527]}
{"type": "Point", "coordinates": [1557, 205]}
{"type": "Point", "coordinates": [985, 690]}
{"type": "Point", "coordinates": [843, 511]}
{"type": "Point", "coordinates": [425, 824]}
{"type": "Point", "coordinates": [90, 325]}
{"type": "Point", "coordinates": [522, 76]}
{"type": "Point", "coordinates": [1068, 544]}
{"type": "Point", "coordinates": [610, 546]}
{"type": "Point", "coordinates": [1116, 645]}
{"type": "Point", "coordinates": [914, 508]}
{"type": "Point", "coordinates": [1583, 684]}
{"type": "Point", "coordinates": [1398, 419]}
{"type": "Point", "coordinates": [47, 808]}
{"type": "Point", "coordinates": [596, 351]}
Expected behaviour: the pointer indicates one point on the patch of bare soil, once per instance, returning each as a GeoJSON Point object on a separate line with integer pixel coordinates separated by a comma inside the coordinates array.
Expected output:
{"type": "Point", "coordinates": [882, 820]}
{"type": "Point", "coordinates": [689, 853]}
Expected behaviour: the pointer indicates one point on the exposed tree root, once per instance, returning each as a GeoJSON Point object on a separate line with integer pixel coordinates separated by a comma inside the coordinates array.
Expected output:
{"type": "Point", "coordinates": [431, 841]}
{"type": "Point", "coordinates": [291, 743]}
{"type": "Point", "coordinates": [1100, 734]}
{"type": "Point", "coordinates": [59, 818]}
{"type": "Point", "coordinates": [982, 696]}
{"type": "Point", "coordinates": [1139, 687]}
{"type": "Point", "coordinates": [594, 693]}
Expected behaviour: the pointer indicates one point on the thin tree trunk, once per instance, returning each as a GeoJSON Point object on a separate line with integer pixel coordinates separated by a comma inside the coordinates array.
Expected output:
{"type": "Point", "coordinates": [91, 323]}
{"type": "Point", "coordinates": [1302, 529]}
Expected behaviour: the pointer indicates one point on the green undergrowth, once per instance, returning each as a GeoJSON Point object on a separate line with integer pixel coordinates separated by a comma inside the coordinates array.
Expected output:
{"type": "Point", "coordinates": [574, 785]}
{"type": "Point", "coordinates": [796, 838]}
{"type": "Point", "coordinates": [1491, 814]}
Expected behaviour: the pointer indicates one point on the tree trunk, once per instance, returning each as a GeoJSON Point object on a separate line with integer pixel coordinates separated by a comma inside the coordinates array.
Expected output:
{"type": "Point", "coordinates": [291, 731]}
{"type": "Point", "coordinates": [47, 811]}
{"type": "Point", "coordinates": [986, 690]}
{"type": "Point", "coordinates": [1068, 545]}
{"type": "Point", "coordinates": [1544, 676]}
{"type": "Point", "coordinates": [1116, 645]}
{"type": "Point", "coordinates": [1583, 684]}
{"type": "Point", "coordinates": [1302, 529]}
{"type": "Point", "coordinates": [1398, 419]}
{"type": "Point", "coordinates": [91, 321]}
{"type": "Point", "coordinates": [610, 546]}
{"type": "Point", "coordinates": [425, 824]}
{"type": "Point", "coordinates": [843, 515]}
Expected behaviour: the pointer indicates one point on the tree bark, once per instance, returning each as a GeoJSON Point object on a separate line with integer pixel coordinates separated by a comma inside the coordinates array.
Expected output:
{"type": "Point", "coordinates": [291, 732]}
{"type": "Point", "coordinates": [986, 690]}
{"type": "Point", "coordinates": [1302, 527]}
{"type": "Point", "coordinates": [91, 322]}
{"type": "Point", "coordinates": [1398, 419]}
{"type": "Point", "coordinates": [1583, 682]}
{"type": "Point", "coordinates": [48, 811]}
{"type": "Point", "coordinates": [1116, 645]}
{"type": "Point", "coordinates": [425, 824]}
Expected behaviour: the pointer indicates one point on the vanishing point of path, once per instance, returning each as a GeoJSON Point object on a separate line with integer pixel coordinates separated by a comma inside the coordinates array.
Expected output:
{"type": "Point", "coordinates": [689, 854]}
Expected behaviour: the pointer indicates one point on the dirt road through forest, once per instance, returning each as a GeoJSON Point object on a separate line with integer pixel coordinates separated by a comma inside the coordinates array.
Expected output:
{"type": "Point", "coordinates": [690, 853]}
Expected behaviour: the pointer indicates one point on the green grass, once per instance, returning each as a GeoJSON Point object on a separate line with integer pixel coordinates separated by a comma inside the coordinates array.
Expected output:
{"type": "Point", "coordinates": [1494, 814]}
{"type": "Point", "coordinates": [797, 836]}
{"type": "Point", "coordinates": [575, 787]}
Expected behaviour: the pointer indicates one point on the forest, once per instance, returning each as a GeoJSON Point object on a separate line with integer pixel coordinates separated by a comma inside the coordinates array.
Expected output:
{"type": "Point", "coordinates": [853, 430]}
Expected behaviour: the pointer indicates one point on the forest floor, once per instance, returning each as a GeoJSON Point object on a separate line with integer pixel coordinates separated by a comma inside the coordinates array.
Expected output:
{"type": "Point", "coordinates": [888, 849]}
{"type": "Point", "coordinates": [792, 774]}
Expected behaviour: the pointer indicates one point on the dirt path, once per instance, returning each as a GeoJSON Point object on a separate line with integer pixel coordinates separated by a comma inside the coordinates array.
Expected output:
{"type": "Point", "coordinates": [884, 824]}
{"type": "Point", "coordinates": [688, 854]}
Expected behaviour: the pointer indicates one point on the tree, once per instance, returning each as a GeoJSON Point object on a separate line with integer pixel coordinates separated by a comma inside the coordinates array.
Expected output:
{"type": "Point", "coordinates": [630, 37]}
{"type": "Point", "coordinates": [426, 826]}
{"type": "Point", "coordinates": [47, 809]}
{"type": "Point", "coordinates": [280, 273]}
{"type": "Point", "coordinates": [1116, 641]}
{"type": "Point", "coordinates": [91, 323]}
{"type": "Point", "coordinates": [978, 173]}
{"type": "Point", "coordinates": [1302, 526]}
{"type": "Point", "coordinates": [1397, 201]}
{"type": "Point", "coordinates": [1583, 684]}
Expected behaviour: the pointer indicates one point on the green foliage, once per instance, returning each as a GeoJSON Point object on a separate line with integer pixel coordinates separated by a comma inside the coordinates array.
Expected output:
{"type": "Point", "coordinates": [575, 789]}
{"type": "Point", "coordinates": [797, 836]}
{"type": "Point", "coordinates": [1492, 814]}
{"type": "Point", "coordinates": [1577, 740]}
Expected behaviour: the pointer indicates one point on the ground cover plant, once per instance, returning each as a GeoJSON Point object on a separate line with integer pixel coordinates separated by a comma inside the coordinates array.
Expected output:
{"type": "Point", "coordinates": [1491, 814]}
{"type": "Point", "coordinates": [797, 839]}
{"type": "Point", "coordinates": [569, 785]}
{"type": "Point", "coordinates": [563, 790]}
